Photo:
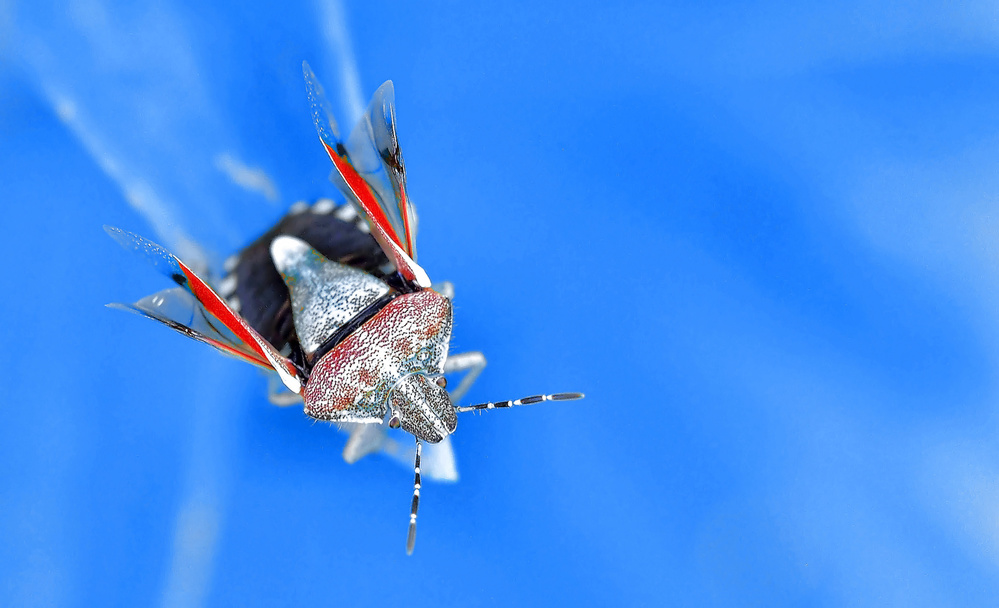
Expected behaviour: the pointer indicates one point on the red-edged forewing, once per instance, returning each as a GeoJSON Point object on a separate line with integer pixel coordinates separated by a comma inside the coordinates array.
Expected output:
{"type": "Point", "coordinates": [205, 316]}
{"type": "Point", "coordinates": [372, 174]}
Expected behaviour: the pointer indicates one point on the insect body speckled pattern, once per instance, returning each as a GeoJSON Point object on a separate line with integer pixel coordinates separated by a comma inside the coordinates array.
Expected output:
{"type": "Point", "coordinates": [325, 295]}
{"type": "Point", "coordinates": [333, 300]}
{"type": "Point", "coordinates": [409, 336]}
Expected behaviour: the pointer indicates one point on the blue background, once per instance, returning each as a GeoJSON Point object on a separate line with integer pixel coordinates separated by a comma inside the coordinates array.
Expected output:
{"type": "Point", "coordinates": [761, 238]}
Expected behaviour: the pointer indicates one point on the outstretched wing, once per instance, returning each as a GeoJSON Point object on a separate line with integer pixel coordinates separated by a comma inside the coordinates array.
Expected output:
{"type": "Point", "coordinates": [371, 173]}
{"type": "Point", "coordinates": [179, 310]}
{"type": "Point", "coordinates": [237, 338]}
{"type": "Point", "coordinates": [374, 151]}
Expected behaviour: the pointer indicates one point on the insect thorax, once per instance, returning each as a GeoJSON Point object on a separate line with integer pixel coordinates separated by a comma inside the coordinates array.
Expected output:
{"type": "Point", "coordinates": [352, 383]}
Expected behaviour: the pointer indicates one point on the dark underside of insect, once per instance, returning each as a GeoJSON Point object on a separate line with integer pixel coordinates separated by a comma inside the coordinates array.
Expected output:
{"type": "Point", "coordinates": [333, 301]}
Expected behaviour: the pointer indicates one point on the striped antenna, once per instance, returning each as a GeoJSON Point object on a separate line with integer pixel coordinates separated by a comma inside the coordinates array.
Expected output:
{"type": "Point", "coordinates": [411, 539]}
{"type": "Point", "coordinates": [523, 401]}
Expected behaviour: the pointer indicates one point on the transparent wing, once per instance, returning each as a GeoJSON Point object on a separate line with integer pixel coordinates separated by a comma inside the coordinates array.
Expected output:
{"type": "Point", "coordinates": [374, 150]}
{"type": "Point", "coordinates": [179, 310]}
{"type": "Point", "coordinates": [170, 266]}
{"type": "Point", "coordinates": [370, 173]}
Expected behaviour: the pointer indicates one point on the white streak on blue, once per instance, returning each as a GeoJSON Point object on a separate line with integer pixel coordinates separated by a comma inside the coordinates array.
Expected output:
{"type": "Point", "coordinates": [252, 179]}
{"type": "Point", "coordinates": [194, 540]}
{"type": "Point", "coordinates": [333, 20]}
{"type": "Point", "coordinates": [137, 192]}
{"type": "Point", "coordinates": [106, 74]}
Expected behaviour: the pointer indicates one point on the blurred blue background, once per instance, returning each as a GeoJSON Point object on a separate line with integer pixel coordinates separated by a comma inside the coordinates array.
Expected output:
{"type": "Point", "coordinates": [761, 237]}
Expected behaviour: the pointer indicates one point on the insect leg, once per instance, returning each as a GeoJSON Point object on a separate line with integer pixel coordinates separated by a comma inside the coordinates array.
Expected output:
{"type": "Point", "coordinates": [445, 288]}
{"type": "Point", "coordinates": [364, 439]}
{"type": "Point", "coordinates": [473, 362]}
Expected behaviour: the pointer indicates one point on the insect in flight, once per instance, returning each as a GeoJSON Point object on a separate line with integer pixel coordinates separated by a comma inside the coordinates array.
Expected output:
{"type": "Point", "coordinates": [351, 325]}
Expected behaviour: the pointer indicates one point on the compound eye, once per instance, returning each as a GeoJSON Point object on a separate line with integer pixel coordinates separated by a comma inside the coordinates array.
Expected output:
{"type": "Point", "coordinates": [394, 422]}
{"type": "Point", "coordinates": [442, 382]}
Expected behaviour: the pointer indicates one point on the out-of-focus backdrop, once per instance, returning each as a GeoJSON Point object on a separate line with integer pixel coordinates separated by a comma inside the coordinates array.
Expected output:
{"type": "Point", "coordinates": [762, 238]}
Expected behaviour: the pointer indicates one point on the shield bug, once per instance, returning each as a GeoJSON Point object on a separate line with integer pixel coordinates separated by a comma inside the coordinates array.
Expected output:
{"type": "Point", "coordinates": [332, 300]}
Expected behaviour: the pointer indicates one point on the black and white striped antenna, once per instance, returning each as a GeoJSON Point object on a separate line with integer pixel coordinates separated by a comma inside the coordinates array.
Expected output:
{"type": "Point", "coordinates": [411, 539]}
{"type": "Point", "coordinates": [522, 401]}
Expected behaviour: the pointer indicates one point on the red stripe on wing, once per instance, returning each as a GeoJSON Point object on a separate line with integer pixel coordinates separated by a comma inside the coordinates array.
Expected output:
{"type": "Point", "coordinates": [221, 311]}
{"type": "Point", "coordinates": [404, 211]}
{"type": "Point", "coordinates": [235, 352]}
{"type": "Point", "coordinates": [382, 228]}
{"type": "Point", "coordinates": [362, 191]}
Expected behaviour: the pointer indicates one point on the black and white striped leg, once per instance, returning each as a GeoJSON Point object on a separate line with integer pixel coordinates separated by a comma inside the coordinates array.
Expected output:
{"type": "Point", "coordinates": [522, 401]}
{"type": "Point", "coordinates": [411, 539]}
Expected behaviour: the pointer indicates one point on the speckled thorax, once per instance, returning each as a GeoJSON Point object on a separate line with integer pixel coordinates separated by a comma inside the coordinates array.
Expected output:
{"type": "Point", "coordinates": [352, 382]}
